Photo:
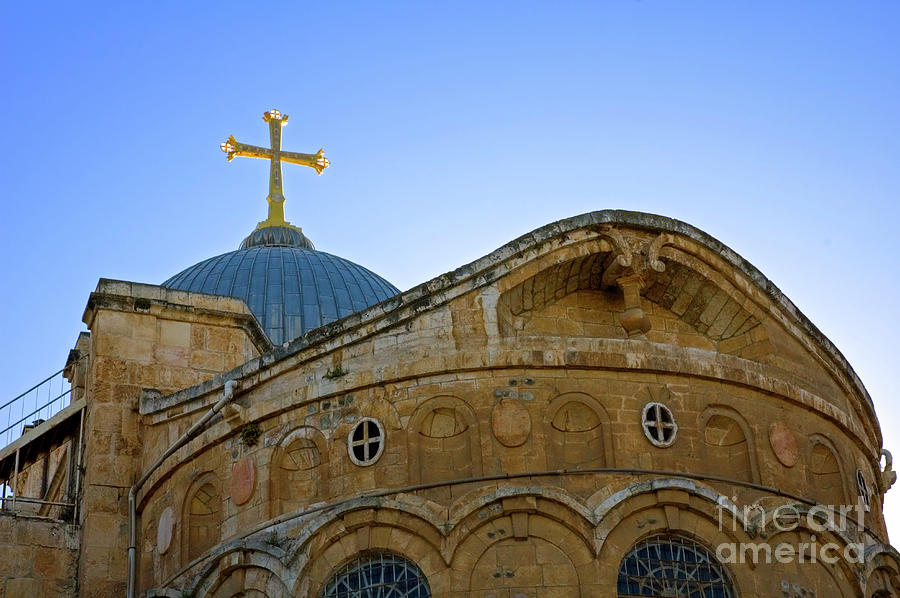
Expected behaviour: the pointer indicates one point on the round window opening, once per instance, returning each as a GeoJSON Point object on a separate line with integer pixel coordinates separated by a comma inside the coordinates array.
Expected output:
{"type": "Point", "coordinates": [381, 575]}
{"type": "Point", "coordinates": [659, 424]}
{"type": "Point", "coordinates": [365, 443]}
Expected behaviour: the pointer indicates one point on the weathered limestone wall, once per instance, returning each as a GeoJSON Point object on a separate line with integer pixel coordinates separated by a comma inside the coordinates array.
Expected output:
{"type": "Point", "coordinates": [535, 361]}
{"type": "Point", "coordinates": [461, 425]}
{"type": "Point", "coordinates": [38, 557]}
{"type": "Point", "coordinates": [144, 340]}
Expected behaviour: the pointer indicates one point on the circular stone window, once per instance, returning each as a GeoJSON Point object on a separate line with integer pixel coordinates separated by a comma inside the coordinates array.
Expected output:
{"type": "Point", "coordinates": [659, 424]}
{"type": "Point", "coordinates": [862, 487]}
{"type": "Point", "coordinates": [365, 443]}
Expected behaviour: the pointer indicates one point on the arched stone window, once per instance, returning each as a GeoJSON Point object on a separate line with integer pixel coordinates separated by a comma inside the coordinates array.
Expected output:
{"type": "Point", "coordinates": [826, 481]}
{"type": "Point", "coordinates": [443, 444]}
{"type": "Point", "coordinates": [671, 565]}
{"type": "Point", "coordinates": [379, 575]}
{"type": "Point", "coordinates": [297, 465]}
{"type": "Point", "coordinates": [574, 432]}
{"type": "Point", "coordinates": [202, 517]}
{"type": "Point", "coordinates": [726, 446]}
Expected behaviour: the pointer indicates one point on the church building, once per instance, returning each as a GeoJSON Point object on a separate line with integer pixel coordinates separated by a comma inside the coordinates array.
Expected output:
{"type": "Point", "coordinates": [613, 405]}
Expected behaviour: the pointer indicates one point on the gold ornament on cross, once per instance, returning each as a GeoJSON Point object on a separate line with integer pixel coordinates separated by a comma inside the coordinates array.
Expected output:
{"type": "Point", "coordinates": [276, 156]}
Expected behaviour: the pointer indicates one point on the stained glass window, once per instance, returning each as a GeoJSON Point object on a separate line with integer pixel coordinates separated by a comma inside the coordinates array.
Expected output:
{"type": "Point", "coordinates": [670, 566]}
{"type": "Point", "coordinates": [381, 575]}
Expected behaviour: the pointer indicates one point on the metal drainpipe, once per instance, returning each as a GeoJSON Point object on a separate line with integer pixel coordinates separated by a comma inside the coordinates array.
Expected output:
{"type": "Point", "coordinates": [79, 463]}
{"type": "Point", "coordinates": [15, 487]}
{"type": "Point", "coordinates": [227, 395]}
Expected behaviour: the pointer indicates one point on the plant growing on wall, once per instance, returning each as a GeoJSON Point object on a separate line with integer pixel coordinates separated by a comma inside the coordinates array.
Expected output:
{"type": "Point", "coordinates": [337, 372]}
{"type": "Point", "coordinates": [250, 434]}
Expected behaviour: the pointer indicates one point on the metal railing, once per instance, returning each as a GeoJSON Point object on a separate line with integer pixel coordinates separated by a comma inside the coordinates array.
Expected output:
{"type": "Point", "coordinates": [34, 406]}
{"type": "Point", "coordinates": [27, 410]}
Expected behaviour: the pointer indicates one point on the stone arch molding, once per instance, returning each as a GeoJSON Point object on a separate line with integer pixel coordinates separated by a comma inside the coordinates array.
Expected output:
{"type": "Point", "coordinates": [686, 507]}
{"type": "Point", "coordinates": [446, 556]}
{"type": "Point", "coordinates": [402, 513]}
{"type": "Point", "coordinates": [729, 446]}
{"type": "Point", "coordinates": [201, 516]}
{"type": "Point", "coordinates": [882, 571]}
{"type": "Point", "coordinates": [445, 533]}
{"type": "Point", "coordinates": [296, 470]}
{"type": "Point", "coordinates": [577, 435]}
{"type": "Point", "coordinates": [254, 567]}
{"type": "Point", "coordinates": [336, 539]}
{"type": "Point", "coordinates": [479, 511]}
{"type": "Point", "coordinates": [609, 512]}
{"type": "Point", "coordinates": [495, 556]}
{"type": "Point", "coordinates": [827, 475]}
{"type": "Point", "coordinates": [443, 441]}
{"type": "Point", "coordinates": [839, 579]}
{"type": "Point", "coordinates": [680, 507]}
{"type": "Point", "coordinates": [291, 553]}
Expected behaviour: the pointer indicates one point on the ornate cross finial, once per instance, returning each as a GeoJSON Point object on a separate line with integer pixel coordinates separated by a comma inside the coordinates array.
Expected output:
{"type": "Point", "coordinates": [317, 161]}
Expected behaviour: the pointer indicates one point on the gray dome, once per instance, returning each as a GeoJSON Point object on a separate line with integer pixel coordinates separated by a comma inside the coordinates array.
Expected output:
{"type": "Point", "coordinates": [290, 290]}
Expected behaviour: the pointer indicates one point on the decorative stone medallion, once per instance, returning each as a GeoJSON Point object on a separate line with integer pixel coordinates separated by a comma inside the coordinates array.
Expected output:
{"type": "Point", "coordinates": [243, 480]}
{"type": "Point", "coordinates": [510, 423]}
{"type": "Point", "coordinates": [784, 444]}
{"type": "Point", "coordinates": [164, 530]}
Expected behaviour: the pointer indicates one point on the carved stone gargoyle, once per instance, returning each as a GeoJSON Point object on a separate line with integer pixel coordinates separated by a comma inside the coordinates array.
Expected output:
{"type": "Point", "coordinates": [888, 475]}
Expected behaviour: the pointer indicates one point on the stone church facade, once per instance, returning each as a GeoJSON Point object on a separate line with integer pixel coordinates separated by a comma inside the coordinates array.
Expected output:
{"type": "Point", "coordinates": [612, 405]}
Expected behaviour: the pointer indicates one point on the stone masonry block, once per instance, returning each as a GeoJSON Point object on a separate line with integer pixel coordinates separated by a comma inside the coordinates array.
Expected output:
{"type": "Point", "coordinates": [120, 347]}
{"type": "Point", "coordinates": [175, 334]}
{"type": "Point", "coordinates": [115, 323]}
{"type": "Point", "coordinates": [46, 534]}
{"type": "Point", "coordinates": [23, 587]}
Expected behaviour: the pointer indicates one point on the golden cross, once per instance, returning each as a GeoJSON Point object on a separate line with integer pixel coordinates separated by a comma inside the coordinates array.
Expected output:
{"type": "Point", "coordinates": [318, 161]}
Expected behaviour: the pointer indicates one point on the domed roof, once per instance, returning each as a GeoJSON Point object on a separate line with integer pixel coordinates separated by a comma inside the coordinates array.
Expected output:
{"type": "Point", "coordinates": [290, 287]}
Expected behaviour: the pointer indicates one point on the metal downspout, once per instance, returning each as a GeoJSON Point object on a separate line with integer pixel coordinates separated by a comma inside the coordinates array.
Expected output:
{"type": "Point", "coordinates": [227, 395]}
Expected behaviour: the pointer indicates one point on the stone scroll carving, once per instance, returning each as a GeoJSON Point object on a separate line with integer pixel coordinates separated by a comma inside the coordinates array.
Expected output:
{"type": "Point", "coordinates": [627, 268]}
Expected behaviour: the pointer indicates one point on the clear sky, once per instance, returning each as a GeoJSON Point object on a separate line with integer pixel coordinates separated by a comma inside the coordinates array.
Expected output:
{"type": "Point", "coordinates": [452, 129]}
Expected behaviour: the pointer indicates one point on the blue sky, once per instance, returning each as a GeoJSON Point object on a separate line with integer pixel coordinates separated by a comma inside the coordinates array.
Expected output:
{"type": "Point", "coordinates": [452, 129]}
